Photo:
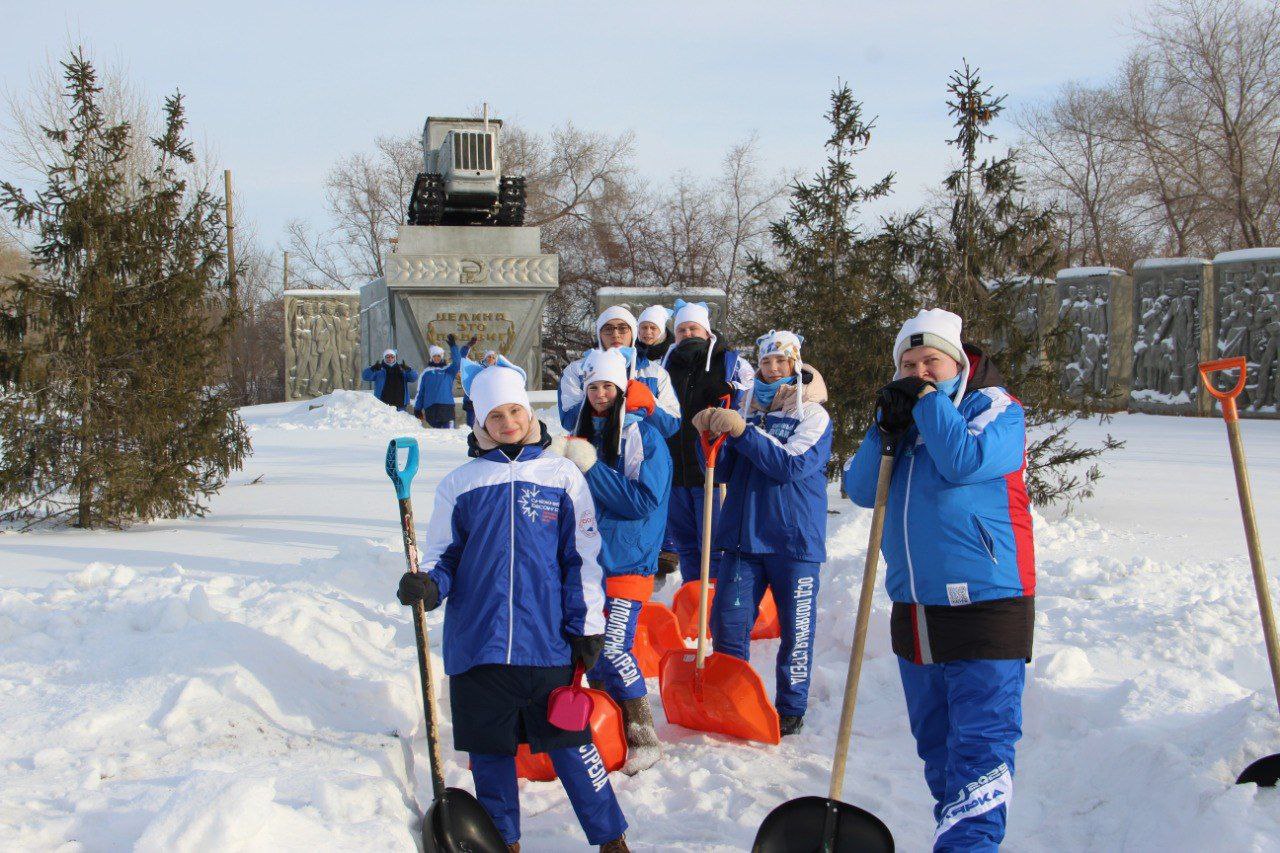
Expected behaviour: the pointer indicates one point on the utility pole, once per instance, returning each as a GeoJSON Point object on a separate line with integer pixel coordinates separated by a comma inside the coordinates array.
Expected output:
{"type": "Point", "coordinates": [286, 271]}
{"type": "Point", "coordinates": [231, 244]}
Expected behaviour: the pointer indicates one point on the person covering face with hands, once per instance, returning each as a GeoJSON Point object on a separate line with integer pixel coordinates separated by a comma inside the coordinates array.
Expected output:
{"type": "Point", "coordinates": [960, 559]}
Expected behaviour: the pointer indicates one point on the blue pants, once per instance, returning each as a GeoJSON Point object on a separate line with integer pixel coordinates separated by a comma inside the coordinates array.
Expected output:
{"type": "Point", "coordinates": [684, 529]}
{"type": "Point", "coordinates": [581, 772]}
{"type": "Point", "coordinates": [966, 717]}
{"type": "Point", "coordinates": [742, 582]}
{"type": "Point", "coordinates": [618, 667]}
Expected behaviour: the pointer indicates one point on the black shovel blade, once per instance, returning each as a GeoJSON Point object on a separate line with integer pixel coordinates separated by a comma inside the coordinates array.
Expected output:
{"type": "Point", "coordinates": [822, 825]}
{"type": "Point", "coordinates": [1264, 772]}
{"type": "Point", "coordinates": [457, 823]}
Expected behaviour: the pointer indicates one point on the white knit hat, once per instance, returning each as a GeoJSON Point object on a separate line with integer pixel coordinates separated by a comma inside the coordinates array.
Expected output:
{"type": "Point", "coordinates": [937, 328]}
{"type": "Point", "coordinates": [779, 343]}
{"type": "Point", "coordinates": [616, 312]}
{"type": "Point", "coordinates": [604, 366]}
{"type": "Point", "coordinates": [693, 312]}
{"type": "Point", "coordinates": [496, 386]}
{"type": "Point", "coordinates": [435, 351]}
{"type": "Point", "coordinates": [388, 352]}
{"type": "Point", "coordinates": [658, 315]}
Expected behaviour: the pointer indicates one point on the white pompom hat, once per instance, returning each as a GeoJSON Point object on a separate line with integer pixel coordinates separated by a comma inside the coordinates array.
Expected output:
{"type": "Point", "coordinates": [496, 386]}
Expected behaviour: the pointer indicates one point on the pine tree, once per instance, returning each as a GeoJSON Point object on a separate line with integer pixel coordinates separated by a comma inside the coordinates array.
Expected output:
{"type": "Point", "coordinates": [987, 254]}
{"type": "Point", "coordinates": [830, 282]}
{"type": "Point", "coordinates": [118, 412]}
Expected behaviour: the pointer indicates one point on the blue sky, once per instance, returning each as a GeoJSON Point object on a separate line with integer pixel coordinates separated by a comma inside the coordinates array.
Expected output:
{"type": "Point", "coordinates": [281, 90]}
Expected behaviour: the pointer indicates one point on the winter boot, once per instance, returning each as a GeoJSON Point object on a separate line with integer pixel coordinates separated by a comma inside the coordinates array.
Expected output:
{"type": "Point", "coordinates": [617, 845]}
{"type": "Point", "coordinates": [595, 685]}
{"type": "Point", "coordinates": [790, 725]}
{"type": "Point", "coordinates": [643, 747]}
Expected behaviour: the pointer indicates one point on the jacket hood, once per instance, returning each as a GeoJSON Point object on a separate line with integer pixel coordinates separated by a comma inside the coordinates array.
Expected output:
{"type": "Point", "coordinates": [479, 443]}
{"type": "Point", "coordinates": [983, 372]}
{"type": "Point", "coordinates": [815, 391]}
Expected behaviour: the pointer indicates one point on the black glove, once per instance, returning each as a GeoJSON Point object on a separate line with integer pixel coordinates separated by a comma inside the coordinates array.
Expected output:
{"type": "Point", "coordinates": [895, 401]}
{"type": "Point", "coordinates": [472, 342]}
{"type": "Point", "coordinates": [417, 586]}
{"type": "Point", "coordinates": [404, 368]}
{"type": "Point", "coordinates": [714, 393]}
{"type": "Point", "coordinates": [668, 562]}
{"type": "Point", "coordinates": [377, 365]}
{"type": "Point", "coordinates": [451, 339]}
{"type": "Point", "coordinates": [587, 649]}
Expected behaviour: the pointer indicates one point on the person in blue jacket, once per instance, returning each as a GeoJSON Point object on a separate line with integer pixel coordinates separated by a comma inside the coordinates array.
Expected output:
{"type": "Point", "coordinates": [391, 379]}
{"type": "Point", "coordinates": [489, 359]}
{"type": "Point", "coordinates": [960, 569]}
{"type": "Point", "coordinates": [772, 528]}
{"type": "Point", "coordinates": [512, 547]}
{"type": "Point", "coordinates": [616, 329]}
{"type": "Point", "coordinates": [434, 403]}
{"type": "Point", "coordinates": [628, 469]}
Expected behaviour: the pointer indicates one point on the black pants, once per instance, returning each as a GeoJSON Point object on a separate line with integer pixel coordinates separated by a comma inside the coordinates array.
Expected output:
{"type": "Point", "coordinates": [439, 415]}
{"type": "Point", "coordinates": [496, 707]}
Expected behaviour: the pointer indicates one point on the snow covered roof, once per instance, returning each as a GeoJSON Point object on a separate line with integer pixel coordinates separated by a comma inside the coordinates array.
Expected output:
{"type": "Point", "coordinates": [305, 292]}
{"type": "Point", "coordinates": [1088, 272]}
{"type": "Point", "coordinates": [1238, 255]}
{"type": "Point", "coordinates": [1156, 263]}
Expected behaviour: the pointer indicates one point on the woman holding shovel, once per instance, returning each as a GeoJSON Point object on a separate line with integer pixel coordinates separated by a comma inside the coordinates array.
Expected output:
{"type": "Point", "coordinates": [961, 569]}
{"type": "Point", "coordinates": [512, 545]}
{"type": "Point", "coordinates": [628, 469]}
{"type": "Point", "coordinates": [772, 528]}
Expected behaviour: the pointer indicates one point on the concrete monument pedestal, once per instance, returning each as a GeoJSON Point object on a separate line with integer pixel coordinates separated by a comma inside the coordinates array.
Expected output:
{"type": "Point", "coordinates": [472, 281]}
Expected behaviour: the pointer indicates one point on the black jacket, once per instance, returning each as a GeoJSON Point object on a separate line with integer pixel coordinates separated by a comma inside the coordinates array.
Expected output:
{"type": "Point", "coordinates": [697, 388]}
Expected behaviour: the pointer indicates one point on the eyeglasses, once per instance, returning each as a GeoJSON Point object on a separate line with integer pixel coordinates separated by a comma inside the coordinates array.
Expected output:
{"type": "Point", "coordinates": [615, 328]}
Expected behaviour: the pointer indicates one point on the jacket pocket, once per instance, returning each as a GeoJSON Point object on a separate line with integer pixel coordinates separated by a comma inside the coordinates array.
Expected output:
{"type": "Point", "coordinates": [988, 542]}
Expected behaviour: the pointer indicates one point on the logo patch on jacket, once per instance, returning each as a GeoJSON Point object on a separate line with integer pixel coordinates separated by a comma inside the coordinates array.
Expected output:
{"type": "Point", "coordinates": [587, 524]}
{"type": "Point", "coordinates": [536, 506]}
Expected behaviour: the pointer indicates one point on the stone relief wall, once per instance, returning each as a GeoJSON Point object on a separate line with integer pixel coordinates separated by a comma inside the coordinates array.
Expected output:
{"type": "Point", "coordinates": [322, 343]}
{"type": "Point", "coordinates": [1248, 295]}
{"type": "Point", "coordinates": [1169, 338]}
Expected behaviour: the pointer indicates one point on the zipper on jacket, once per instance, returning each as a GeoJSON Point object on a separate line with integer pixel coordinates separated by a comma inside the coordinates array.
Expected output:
{"type": "Point", "coordinates": [906, 538]}
{"type": "Point", "coordinates": [511, 566]}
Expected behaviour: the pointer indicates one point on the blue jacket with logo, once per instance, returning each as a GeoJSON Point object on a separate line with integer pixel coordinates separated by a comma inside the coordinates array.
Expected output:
{"type": "Point", "coordinates": [631, 498]}
{"type": "Point", "coordinates": [379, 378]}
{"type": "Point", "coordinates": [436, 383]}
{"type": "Point", "coordinates": [958, 524]}
{"type": "Point", "coordinates": [776, 500]}
{"type": "Point", "coordinates": [513, 546]}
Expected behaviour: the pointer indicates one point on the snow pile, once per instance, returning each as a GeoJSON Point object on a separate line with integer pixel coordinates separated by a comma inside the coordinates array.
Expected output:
{"type": "Point", "coordinates": [247, 681]}
{"type": "Point", "coordinates": [343, 409]}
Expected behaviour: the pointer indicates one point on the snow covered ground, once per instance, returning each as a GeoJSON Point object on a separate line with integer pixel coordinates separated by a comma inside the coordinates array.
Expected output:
{"type": "Point", "coordinates": [247, 681]}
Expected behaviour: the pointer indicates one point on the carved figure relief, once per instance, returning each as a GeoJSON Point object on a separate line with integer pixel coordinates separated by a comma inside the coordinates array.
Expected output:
{"type": "Point", "coordinates": [322, 346]}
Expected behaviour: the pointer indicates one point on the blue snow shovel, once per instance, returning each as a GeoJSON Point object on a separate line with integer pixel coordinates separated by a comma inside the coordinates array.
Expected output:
{"type": "Point", "coordinates": [825, 824]}
{"type": "Point", "coordinates": [455, 822]}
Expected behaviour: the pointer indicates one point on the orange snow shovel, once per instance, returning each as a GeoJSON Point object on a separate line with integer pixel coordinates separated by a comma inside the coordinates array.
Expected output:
{"type": "Point", "coordinates": [657, 632]}
{"type": "Point", "coordinates": [1265, 771]}
{"type": "Point", "coordinates": [607, 731]}
{"type": "Point", "coordinates": [825, 823]}
{"type": "Point", "coordinates": [716, 692]}
{"type": "Point", "coordinates": [685, 607]}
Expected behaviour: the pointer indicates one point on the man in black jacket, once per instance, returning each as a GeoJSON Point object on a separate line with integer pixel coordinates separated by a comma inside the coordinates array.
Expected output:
{"type": "Point", "coordinates": [703, 371]}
